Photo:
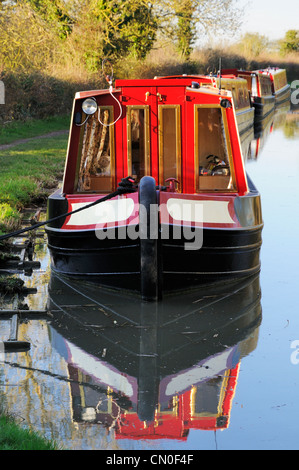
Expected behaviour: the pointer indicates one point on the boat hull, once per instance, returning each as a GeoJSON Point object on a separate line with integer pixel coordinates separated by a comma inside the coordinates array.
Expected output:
{"type": "Point", "coordinates": [224, 254]}
{"type": "Point", "coordinates": [283, 95]}
{"type": "Point", "coordinates": [245, 120]}
{"type": "Point", "coordinates": [264, 107]}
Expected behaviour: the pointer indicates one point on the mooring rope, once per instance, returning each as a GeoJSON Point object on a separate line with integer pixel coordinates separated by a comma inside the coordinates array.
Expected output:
{"type": "Point", "coordinates": [124, 187]}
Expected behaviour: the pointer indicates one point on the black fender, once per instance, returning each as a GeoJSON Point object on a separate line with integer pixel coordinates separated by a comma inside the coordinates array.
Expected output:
{"type": "Point", "coordinates": [148, 232]}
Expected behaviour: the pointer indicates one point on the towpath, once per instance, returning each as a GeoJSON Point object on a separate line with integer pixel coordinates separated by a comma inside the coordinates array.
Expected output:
{"type": "Point", "coordinates": [23, 141]}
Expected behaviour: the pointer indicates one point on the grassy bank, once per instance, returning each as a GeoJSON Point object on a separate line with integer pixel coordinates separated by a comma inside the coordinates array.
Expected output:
{"type": "Point", "coordinates": [15, 130]}
{"type": "Point", "coordinates": [14, 437]}
{"type": "Point", "coordinates": [30, 171]}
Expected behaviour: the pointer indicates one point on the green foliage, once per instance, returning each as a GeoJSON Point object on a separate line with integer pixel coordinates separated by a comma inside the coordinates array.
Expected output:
{"type": "Point", "coordinates": [54, 12]}
{"type": "Point", "coordinates": [253, 44]}
{"type": "Point", "coordinates": [37, 95]}
{"type": "Point", "coordinates": [27, 42]}
{"type": "Point", "coordinates": [14, 437]}
{"type": "Point", "coordinates": [182, 21]}
{"type": "Point", "coordinates": [290, 42]}
{"type": "Point", "coordinates": [9, 284]}
{"type": "Point", "coordinates": [9, 217]}
{"type": "Point", "coordinates": [186, 27]}
{"type": "Point", "coordinates": [138, 29]}
{"type": "Point", "coordinates": [124, 28]}
{"type": "Point", "coordinates": [40, 34]}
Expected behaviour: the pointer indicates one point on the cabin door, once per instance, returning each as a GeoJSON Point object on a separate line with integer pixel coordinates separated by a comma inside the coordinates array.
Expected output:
{"type": "Point", "coordinates": [153, 130]}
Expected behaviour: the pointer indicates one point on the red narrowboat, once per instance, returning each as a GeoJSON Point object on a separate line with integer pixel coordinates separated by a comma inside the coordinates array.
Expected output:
{"type": "Point", "coordinates": [261, 92]}
{"type": "Point", "coordinates": [280, 87]}
{"type": "Point", "coordinates": [155, 195]}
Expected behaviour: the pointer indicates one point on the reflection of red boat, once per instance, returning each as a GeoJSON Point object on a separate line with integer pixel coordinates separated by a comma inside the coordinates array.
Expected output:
{"type": "Point", "coordinates": [206, 407]}
{"type": "Point", "coordinates": [154, 371]}
{"type": "Point", "coordinates": [204, 225]}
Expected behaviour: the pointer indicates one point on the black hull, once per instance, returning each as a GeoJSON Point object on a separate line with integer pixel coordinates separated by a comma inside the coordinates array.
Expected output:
{"type": "Point", "coordinates": [263, 107]}
{"type": "Point", "coordinates": [224, 255]}
{"type": "Point", "coordinates": [283, 95]}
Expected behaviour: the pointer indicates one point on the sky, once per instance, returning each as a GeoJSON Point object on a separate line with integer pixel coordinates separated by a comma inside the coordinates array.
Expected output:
{"type": "Point", "coordinates": [272, 18]}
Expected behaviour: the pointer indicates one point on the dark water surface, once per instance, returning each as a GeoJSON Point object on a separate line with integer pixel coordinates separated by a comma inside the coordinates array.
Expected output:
{"type": "Point", "coordinates": [215, 369]}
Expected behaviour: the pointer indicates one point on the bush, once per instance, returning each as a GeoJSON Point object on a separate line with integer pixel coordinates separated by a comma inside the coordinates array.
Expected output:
{"type": "Point", "coordinates": [36, 95]}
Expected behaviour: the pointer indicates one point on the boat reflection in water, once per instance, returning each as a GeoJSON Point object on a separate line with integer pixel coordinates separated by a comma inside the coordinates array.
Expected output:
{"type": "Point", "coordinates": [254, 144]}
{"type": "Point", "coordinates": [154, 370]}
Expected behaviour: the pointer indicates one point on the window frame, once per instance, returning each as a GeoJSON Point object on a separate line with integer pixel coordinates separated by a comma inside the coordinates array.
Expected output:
{"type": "Point", "coordinates": [112, 152]}
{"type": "Point", "coordinates": [227, 142]}
{"type": "Point", "coordinates": [147, 162]}
{"type": "Point", "coordinates": [177, 109]}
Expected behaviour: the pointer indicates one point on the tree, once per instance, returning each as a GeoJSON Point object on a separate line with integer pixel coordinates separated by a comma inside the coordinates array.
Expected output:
{"type": "Point", "coordinates": [77, 32]}
{"type": "Point", "coordinates": [290, 42]}
{"type": "Point", "coordinates": [252, 44]}
{"type": "Point", "coordinates": [54, 12]}
{"type": "Point", "coordinates": [137, 28]}
{"type": "Point", "coordinates": [184, 20]}
{"type": "Point", "coordinates": [112, 29]}
{"type": "Point", "coordinates": [27, 42]}
{"type": "Point", "coordinates": [186, 28]}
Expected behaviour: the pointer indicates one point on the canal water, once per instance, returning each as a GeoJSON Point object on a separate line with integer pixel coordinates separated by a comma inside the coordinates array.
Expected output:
{"type": "Point", "coordinates": [213, 369]}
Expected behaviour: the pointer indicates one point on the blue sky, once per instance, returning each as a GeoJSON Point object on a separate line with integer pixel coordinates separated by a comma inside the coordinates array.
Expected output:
{"type": "Point", "coordinates": [272, 18]}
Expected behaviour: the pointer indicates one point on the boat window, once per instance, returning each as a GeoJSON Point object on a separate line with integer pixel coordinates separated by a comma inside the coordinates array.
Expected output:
{"type": "Point", "coordinates": [265, 85]}
{"type": "Point", "coordinates": [169, 143]}
{"type": "Point", "coordinates": [138, 141]}
{"type": "Point", "coordinates": [96, 151]}
{"type": "Point", "coordinates": [235, 97]}
{"type": "Point", "coordinates": [212, 151]}
{"type": "Point", "coordinates": [208, 397]}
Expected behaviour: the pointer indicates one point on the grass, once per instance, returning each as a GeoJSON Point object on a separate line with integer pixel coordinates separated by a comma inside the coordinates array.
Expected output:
{"type": "Point", "coordinates": [14, 437]}
{"type": "Point", "coordinates": [28, 172]}
{"type": "Point", "coordinates": [15, 130]}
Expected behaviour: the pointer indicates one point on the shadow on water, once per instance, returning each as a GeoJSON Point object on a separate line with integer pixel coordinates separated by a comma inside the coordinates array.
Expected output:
{"type": "Point", "coordinates": [106, 364]}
